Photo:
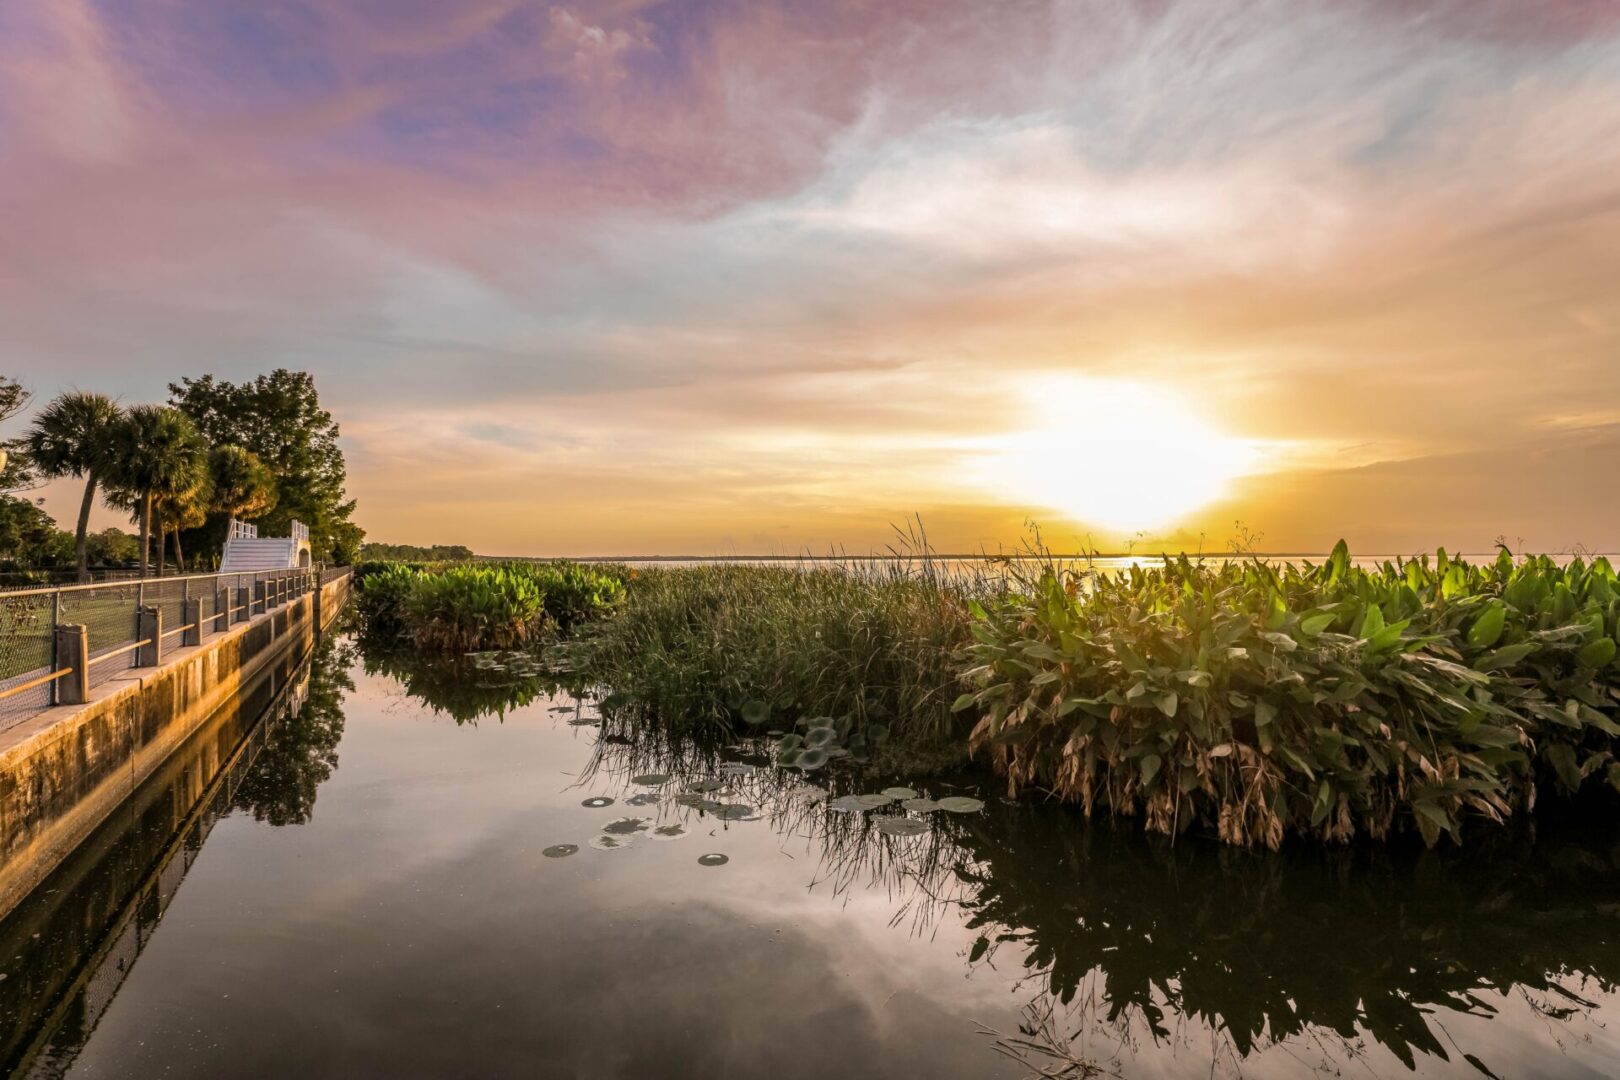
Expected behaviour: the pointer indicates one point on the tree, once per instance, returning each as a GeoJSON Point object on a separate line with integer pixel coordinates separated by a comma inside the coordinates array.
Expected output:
{"type": "Point", "coordinates": [113, 547]}
{"type": "Point", "coordinates": [176, 511]}
{"type": "Point", "coordinates": [157, 451]}
{"type": "Point", "coordinates": [16, 473]}
{"type": "Point", "coordinates": [240, 485]}
{"type": "Point", "coordinates": [29, 537]}
{"type": "Point", "coordinates": [72, 436]}
{"type": "Point", "coordinates": [279, 418]}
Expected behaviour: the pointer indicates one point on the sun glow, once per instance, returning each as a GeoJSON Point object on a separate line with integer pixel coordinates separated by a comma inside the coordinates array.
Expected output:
{"type": "Point", "coordinates": [1115, 454]}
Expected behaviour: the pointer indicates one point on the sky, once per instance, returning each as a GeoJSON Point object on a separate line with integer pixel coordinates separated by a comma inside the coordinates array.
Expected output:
{"type": "Point", "coordinates": [770, 277]}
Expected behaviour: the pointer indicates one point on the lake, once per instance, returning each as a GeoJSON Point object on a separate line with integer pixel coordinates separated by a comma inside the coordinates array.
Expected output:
{"type": "Point", "coordinates": [378, 882]}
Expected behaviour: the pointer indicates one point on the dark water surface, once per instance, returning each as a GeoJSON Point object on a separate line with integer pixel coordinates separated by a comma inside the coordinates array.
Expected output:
{"type": "Point", "coordinates": [359, 887]}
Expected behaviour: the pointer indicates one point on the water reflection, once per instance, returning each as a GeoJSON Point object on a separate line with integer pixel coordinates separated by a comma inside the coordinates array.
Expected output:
{"type": "Point", "coordinates": [70, 945]}
{"type": "Point", "coordinates": [300, 753]}
{"type": "Point", "coordinates": [1124, 940]}
{"type": "Point", "coordinates": [463, 688]}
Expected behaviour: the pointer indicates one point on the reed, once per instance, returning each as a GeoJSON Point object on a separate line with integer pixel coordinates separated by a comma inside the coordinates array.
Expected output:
{"type": "Point", "coordinates": [756, 648]}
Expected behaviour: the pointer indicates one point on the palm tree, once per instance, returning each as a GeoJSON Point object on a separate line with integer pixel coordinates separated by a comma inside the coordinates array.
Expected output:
{"type": "Point", "coordinates": [173, 512]}
{"type": "Point", "coordinates": [157, 452]}
{"type": "Point", "coordinates": [72, 436]}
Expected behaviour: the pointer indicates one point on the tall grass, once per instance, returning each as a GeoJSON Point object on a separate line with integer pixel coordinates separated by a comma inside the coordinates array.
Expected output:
{"type": "Point", "coordinates": [722, 648]}
{"type": "Point", "coordinates": [1254, 701]}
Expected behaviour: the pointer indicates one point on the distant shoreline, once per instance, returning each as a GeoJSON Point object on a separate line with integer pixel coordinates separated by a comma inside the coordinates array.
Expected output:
{"type": "Point", "coordinates": [955, 557]}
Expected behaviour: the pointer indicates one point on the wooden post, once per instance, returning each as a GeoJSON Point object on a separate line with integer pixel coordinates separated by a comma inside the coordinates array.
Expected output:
{"type": "Point", "coordinates": [260, 597]}
{"type": "Point", "coordinates": [149, 629]}
{"type": "Point", "coordinates": [193, 633]}
{"type": "Point", "coordinates": [73, 651]}
{"type": "Point", "coordinates": [242, 604]}
{"type": "Point", "coordinates": [222, 609]}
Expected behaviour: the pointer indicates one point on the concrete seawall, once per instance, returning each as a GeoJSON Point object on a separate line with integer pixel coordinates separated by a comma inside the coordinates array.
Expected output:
{"type": "Point", "coordinates": [64, 771]}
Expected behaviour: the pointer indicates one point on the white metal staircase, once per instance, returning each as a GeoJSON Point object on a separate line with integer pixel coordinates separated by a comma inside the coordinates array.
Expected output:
{"type": "Point", "coordinates": [246, 551]}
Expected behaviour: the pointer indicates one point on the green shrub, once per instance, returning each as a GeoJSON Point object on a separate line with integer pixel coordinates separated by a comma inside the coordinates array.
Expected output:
{"type": "Point", "coordinates": [465, 606]}
{"type": "Point", "coordinates": [380, 597]}
{"type": "Point", "coordinates": [1256, 700]}
{"type": "Point", "coordinates": [474, 607]}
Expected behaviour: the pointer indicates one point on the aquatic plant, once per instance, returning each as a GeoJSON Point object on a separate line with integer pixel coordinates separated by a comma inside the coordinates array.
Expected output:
{"type": "Point", "coordinates": [758, 648]}
{"type": "Point", "coordinates": [1255, 700]}
{"type": "Point", "coordinates": [467, 606]}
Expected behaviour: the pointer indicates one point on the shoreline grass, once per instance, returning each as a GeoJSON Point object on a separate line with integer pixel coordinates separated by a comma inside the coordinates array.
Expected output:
{"type": "Point", "coordinates": [1244, 699]}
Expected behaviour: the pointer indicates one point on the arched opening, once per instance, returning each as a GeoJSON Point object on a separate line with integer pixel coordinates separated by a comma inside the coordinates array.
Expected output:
{"type": "Point", "coordinates": [303, 556]}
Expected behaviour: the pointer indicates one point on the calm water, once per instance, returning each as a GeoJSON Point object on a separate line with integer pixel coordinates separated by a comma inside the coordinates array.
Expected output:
{"type": "Point", "coordinates": [359, 887]}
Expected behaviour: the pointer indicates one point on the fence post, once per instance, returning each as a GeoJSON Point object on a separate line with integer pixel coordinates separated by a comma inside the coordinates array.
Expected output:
{"type": "Point", "coordinates": [222, 609]}
{"type": "Point", "coordinates": [149, 630]}
{"type": "Point", "coordinates": [193, 634]}
{"type": "Point", "coordinates": [72, 646]}
{"type": "Point", "coordinates": [242, 609]}
{"type": "Point", "coordinates": [259, 597]}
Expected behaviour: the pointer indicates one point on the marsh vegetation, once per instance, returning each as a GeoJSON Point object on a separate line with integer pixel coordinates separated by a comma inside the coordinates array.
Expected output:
{"type": "Point", "coordinates": [1236, 698]}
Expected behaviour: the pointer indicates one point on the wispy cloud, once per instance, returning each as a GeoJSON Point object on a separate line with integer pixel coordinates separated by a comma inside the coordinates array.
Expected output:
{"type": "Point", "coordinates": [681, 273]}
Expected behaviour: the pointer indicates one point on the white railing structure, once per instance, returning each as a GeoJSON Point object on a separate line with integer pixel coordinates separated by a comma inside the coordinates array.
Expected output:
{"type": "Point", "coordinates": [243, 530]}
{"type": "Point", "coordinates": [300, 531]}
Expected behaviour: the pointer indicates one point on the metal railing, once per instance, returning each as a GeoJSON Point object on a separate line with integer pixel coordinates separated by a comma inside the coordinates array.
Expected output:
{"type": "Point", "coordinates": [241, 530]}
{"type": "Point", "coordinates": [57, 643]}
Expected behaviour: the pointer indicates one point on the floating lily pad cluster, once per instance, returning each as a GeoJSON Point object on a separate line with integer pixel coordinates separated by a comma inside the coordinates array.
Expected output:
{"type": "Point", "coordinates": [820, 739]}
{"type": "Point", "coordinates": [908, 800]}
{"type": "Point", "coordinates": [703, 794]}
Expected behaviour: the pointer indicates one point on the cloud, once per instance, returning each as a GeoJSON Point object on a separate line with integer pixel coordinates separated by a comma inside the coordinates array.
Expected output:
{"type": "Point", "coordinates": [787, 262]}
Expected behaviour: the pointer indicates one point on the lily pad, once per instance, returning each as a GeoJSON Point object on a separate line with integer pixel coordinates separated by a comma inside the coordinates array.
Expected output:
{"type": "Point", "coordinates": [961, 804]}
{"type": "Point", "coordinates": [627, 826]}
{"type": "Point", "coordinates": [790, 742]}
{"type": "Point", "coordinates": [734, 812]}
{"type": "Point", "coordinates": [559, 851]}
{"type": "Point", "coordinates": [849, 804]}
{"type": "Point", "coordinates": [737, 768]}
{"type": "Point", "coordinates": [585, 721]}
{"type": "Point", "coordinates": [789, 757]}
{"type": "Point", "coordinates": [645, 798]}
{"type": "Point", "coordinates": [808, 791]}
{"type": "Point", "coordinates": [652, 779]}
{"type": "Point", "coordinates": [899, 793]}
{"type": "Point", "coordinates": [921, 806]}
{"type": "Point", "coordinates": [690, 798]}
{"type": "Point", "coordinates": [714, 858]}
{"type": "Point", "coordinates": [610, 842]}
{"type": "Point", "coordinates": [901, 826]}
{"type": "Point", "coordinates": [812, 758]}
{"type": "Point", "coordinates": [874, 800]}
{"type": "Point", "coordinates": [755, 713]}
{"type": "Point", "coordinates": [596, 802]}
{"type": "Point", "coordinates": [671, 831]}
{"type": "Point", "coordinates": [817, 737]}
{"type": "Point", "coordinates": [705, 785]}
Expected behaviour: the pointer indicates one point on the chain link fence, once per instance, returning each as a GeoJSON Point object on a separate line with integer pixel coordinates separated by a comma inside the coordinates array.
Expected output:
{"type": "Point", "coordinates": [110, 613]}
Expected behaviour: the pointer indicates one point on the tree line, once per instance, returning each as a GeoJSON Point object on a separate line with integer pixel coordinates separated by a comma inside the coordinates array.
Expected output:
{"type": "Point", "coordinates": [262, 451]}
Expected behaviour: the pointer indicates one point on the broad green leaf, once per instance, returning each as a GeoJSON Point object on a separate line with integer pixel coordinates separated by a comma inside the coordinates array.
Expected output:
{"type": "Point", "coordinates": [1487, 629]}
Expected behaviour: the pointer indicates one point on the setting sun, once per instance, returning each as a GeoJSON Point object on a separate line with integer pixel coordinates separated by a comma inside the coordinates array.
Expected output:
{"type": "Point", "coordinates": [1116, 454]}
